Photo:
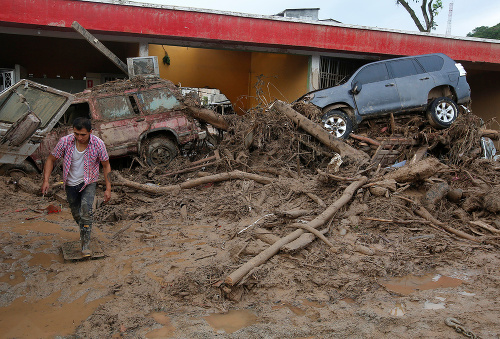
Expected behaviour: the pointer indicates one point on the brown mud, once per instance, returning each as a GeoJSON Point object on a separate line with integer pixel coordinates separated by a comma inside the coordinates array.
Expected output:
{"type": "Point", "coordinates": [393, 273]}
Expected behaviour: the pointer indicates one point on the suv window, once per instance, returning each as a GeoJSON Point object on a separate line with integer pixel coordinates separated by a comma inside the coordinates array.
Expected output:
{"type": "Point", "coordinates": [114, 107]}
{"type": "Point", "coordinates": [372, 73]}
{"type": "Point", "coordinates": [403, 68]}
{"type": "Point", "coordinates": [157, 99]}
{"type": "Point", "coordinates": [431, 63]}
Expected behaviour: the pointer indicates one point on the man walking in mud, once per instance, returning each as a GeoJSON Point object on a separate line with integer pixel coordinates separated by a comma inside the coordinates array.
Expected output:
{"type": "Point", "coordinates": [81, 152]}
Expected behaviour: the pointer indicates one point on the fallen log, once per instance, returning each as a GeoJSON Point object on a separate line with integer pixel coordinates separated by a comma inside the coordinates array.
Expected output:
{"type": "Point", "coordinates": [418, 171]}
{"type": "Point", "coordinates": [190, 183]}
{"type": "Point", "coordinates": [207, 115]}
{"type": "Point", "coordinates": [320, 133]}
{"type": "Point", "coordinates": [321, 219]}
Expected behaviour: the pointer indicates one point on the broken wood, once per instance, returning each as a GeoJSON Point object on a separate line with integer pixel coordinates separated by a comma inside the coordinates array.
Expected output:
{"type": "Point", "coordinates": [489, 133]}
{"type": "Point", "coordinates": [365, 139]}
{"type": "Point", "coordinates": [317, 233]}
{"type": "Point", "coordinates": [239, 175]}
{"type": "Point", "coordinates": [396, 221]}
{"type": "Point", "coordinates": [416, 172]}
{"type": "Point", "coordinates": [266, 236]}
{"type": "Point", "coordinates": [320, 133]}
{"type": "Point", "coordinates": [486, 226]}
{"type": "Point", "coordinates": [323, 218]}
{"type": "Point", "coordinates": [207, 115]}
{"type": "Point", "coordinates": [100, 47]}
{"type": "Point", "coordinates": [301, 242]}
{"type": "Point", "coordinates": [316, 199]}
{"type": "Point", "coordinates": [292, 214]}
{"type": "Point", "coordinates": [421, 211]}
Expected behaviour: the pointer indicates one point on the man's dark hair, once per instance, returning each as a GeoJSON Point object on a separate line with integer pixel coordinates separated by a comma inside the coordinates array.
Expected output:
{"type": "Point", "coordinates": [82, 122]}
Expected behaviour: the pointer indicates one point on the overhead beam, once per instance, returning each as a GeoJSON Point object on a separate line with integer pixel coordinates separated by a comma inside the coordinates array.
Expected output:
{"type": "Point", "coordinates": [100, 47]}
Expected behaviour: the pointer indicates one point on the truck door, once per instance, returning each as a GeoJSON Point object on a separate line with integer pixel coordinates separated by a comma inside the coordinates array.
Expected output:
{"type": "Point", "coordinates": [28, 111]}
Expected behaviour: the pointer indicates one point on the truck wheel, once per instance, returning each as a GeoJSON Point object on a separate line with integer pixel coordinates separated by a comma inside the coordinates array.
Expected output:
{"type": "Point", "coordinates": [159, 151]}
{"type": "Point", "coordinates": [337, 123]}
{"type": "Point", "coordinates": [442, 112]}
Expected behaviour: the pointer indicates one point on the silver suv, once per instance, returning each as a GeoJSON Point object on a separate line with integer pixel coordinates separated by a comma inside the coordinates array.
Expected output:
{"type": "Point", "coordinates": [433, 83]}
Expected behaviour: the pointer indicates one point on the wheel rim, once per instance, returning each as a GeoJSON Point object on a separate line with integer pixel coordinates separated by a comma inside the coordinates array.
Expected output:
{"type": "Point", "coordinates": [336, 126]}
{"type": "Point", "coordinates": [445, 112]}
{"type": "Point", "coordinates": [160, 156]}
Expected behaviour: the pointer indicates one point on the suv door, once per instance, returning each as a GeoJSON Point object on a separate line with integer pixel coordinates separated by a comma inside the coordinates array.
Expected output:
{"type": "Point", "coordinates": [28, 111]}
{"type": "Point", "coordinates": [414, 84]}
{"type": "Point", "coordinates": [378, 92]}
{"type": "Point", "coordinates": [118, 122]}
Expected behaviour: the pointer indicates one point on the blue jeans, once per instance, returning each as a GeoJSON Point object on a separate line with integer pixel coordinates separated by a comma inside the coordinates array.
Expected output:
{"type": "Point", "coordinates": [81, 203]}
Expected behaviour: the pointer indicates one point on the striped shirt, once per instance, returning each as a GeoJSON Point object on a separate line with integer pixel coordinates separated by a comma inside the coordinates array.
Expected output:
{"type": "Point", "coordinates": [96, 152]}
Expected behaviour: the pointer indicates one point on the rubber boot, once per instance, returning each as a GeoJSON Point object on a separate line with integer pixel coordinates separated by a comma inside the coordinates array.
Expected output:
{"type": "Point", "coordinates": [85, 240]}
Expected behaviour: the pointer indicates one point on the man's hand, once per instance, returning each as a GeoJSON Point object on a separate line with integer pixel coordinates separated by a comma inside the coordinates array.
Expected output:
{"type": "Point", "coordinates": [47, 169]}
{"type": "Point", "coordinates": [45, 187]}
{"type": "Point", "coordinates": [107, 195]}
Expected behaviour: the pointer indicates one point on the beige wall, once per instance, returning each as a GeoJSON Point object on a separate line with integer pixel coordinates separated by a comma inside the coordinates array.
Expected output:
{"type": "Point", "coordinates": [236, 73]}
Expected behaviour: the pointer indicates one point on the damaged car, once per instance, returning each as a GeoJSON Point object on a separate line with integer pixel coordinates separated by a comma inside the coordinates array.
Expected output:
{"type": "Point", "coordinates": [431, 83]}
{"type": "Point", "coordinates": [132, 117]}
{"type": "Point", "coordinates": [28, 112]}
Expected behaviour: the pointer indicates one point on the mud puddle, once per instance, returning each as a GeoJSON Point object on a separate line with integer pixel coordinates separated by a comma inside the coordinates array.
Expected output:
{"type": "Point", "coordinates": [409, 284]}
{"type": "Point", "coordinates": [231, 321]}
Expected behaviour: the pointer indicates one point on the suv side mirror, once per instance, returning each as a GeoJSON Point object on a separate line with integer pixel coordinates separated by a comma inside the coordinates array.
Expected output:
{"type": "Point", "coordinates": [356, 88]}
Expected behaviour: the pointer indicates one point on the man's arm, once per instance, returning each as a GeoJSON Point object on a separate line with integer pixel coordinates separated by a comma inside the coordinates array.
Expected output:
{"type": "Point", "coordinates": [106, 169]}
{"type": "Point", "coordinates": [47, 170]}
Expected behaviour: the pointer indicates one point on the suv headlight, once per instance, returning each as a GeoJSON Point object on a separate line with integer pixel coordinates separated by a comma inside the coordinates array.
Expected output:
{"type": "Point", "coordinates": [461, 69]}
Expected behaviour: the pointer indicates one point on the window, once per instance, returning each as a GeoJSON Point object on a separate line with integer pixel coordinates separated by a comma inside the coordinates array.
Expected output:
{"type": "Point", "coordinates": [403, 68]}
{"type": "Point", "coordinates": [114, 107]}
{"type": "Point", "coordinates": [158, 99]}
{"type": "Point", "coordinates": [74, 111]}
{"type": "Point", "coordinates": [335, 71]}
{"type": "Point", "coordinates": [372, 73]}
{"type": "Point", "coordinates": [431, 63]}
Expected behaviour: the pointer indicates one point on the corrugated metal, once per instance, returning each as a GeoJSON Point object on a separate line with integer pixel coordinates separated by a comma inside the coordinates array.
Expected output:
{"type": "Point", "coordinates": [236, 28]}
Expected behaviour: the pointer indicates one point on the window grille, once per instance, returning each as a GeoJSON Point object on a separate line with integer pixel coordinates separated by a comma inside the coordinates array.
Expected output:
{"type": "Point", "coordinates": [6, 79]}
{"type": "Point", "coordinates": [335, 71]}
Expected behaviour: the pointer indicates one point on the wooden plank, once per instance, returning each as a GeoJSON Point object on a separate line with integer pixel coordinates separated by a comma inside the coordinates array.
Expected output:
{"type": "Point", "coordinates": [72, 250]}
{"type": "Point", "coordinates": [99, 46]}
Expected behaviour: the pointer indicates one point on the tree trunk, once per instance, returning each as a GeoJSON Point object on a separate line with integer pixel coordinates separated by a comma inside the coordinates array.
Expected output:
{"type": "Point", "coordinates": [321, 219]}
{"type": "Point", "coordinates": [320, 133]}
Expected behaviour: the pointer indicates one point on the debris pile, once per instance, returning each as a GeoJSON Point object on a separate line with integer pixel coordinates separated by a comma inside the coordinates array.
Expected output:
{"type": "Point", "coordinates": [277, 212]}
{"type": "Point", "coordinates": [426, 182]}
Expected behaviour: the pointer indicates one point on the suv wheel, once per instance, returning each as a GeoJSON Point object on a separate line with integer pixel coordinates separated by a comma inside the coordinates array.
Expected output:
{"type": "Point", "coordinates": [442, 112]}
{"type": "Point", "coordinates": [337, 123]}
{"type": "Point", "coordinates": [159, 151]}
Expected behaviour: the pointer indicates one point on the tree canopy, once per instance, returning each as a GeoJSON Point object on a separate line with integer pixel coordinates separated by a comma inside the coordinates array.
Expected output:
{"type": "Point", "coordinates": [486, 32]}
{"type": "Point", "coordinates": [429, 8]}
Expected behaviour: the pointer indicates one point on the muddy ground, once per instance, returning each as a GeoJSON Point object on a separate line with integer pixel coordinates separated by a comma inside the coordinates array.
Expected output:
{"type": "Point", "coordinates": [392, 273]}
